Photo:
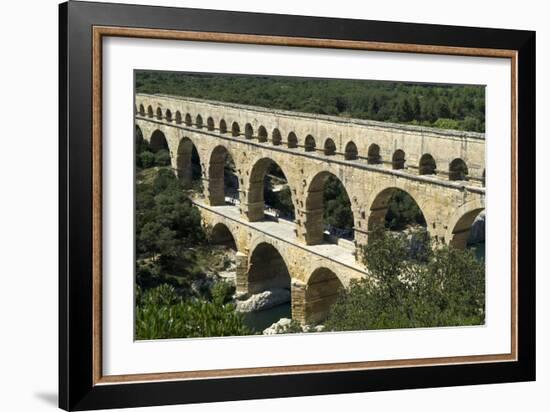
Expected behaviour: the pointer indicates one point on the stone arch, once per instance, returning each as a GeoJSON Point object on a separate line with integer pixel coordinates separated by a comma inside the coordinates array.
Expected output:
{"type": "Point", "coordinates": [188, 120]}
{"type": "Point", "coordinates": [168, 115]}
{"type": "Point", "coordinates": [276, 137]}
{"type": "Point", "coordinates": [223, 126]}
{"type": "Point", "coordinates": [198, 122]}
{"type": "Point", "coordinates": [248, 131]}
{"type": "Point", "coordinates": [373, 154]}
{"type": "Point", "coordinates": [380, 206]}
{"type": "Point", "coordinates": [262, 134]}
{"type": "Point", "coordinates": [315, 208]}
{"type": "Point", "coordinates": [221, 235]}
{"type": "Point", "coordinates": [398, 160]}
{"type": "Point", "coordinates": [235, 129]}
{"type": "Point", "coordinates": [351, 152]}
{"type": "Point", "coordinates": [210, 124]}
{"type": "Point", "coordinates": [150, 111]}
{"type": "Point", "coordinates": [458, 230]}
{"type": "Point", "coordinates": [178, 117]}
{"type": "Point", "coordinates": [309, 144]}
{"type": "Point", "coordinates": [255, 193]}
{"type": "Point", "coordinates": [267, 269]}
{"type": "Point", "coordinates": [218, 186]}
{"type": "Point", "coordinates": [184, 162]}
{"type": "Point", "coordinates": [159, 113]}
{"type": "Point", "coordinates": [138, 135]}
{"type": "Point", "coordinates": [292, 141]}
{"type": "Point", "coordinates": [483, 178]}
{"type": "Point", "coordinates": [329, 147]}
{"type": "Point", "coordinates": [141, 110]}
{"type": "Point", "coordinates": [158, 141]}
{"type": "Point", "coordinates": [458, 170]}
{"type": "Point", "coordinates": [323, 287]}
{"type": "Point", "coordinates": [427, 165]}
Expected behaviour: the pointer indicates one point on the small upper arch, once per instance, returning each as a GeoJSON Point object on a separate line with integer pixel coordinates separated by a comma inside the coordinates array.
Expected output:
{"type": "Point", "coordinates": [262, 134]}
{"type": "Point", "coordinates": [188, 120]}
{"type": "Point", "coordinates": [159, 113]}
{"type": "Point", "coordinates": [292, 140]}
{"type": "Point", "coordinates": [235, 129]}
{"type": "Point", "coordinates": [210, 124]}
{"type": "Point", "coordinates": [168, 115]}
{"type": "Point", "coordinates": [276, 137]}
{"type": "Point", "coordinates": [141, 110]}
{"type": "Point", "coordinates": [150, 111]}
{"type": "Point", "coordinates": [223, 126]}
{"type": "Point", "coordinates": [330, 147]}
{"type": "Point", "coordinates": [178, 117]}
{"type": "Point", "coordinates": [398, 159]}
{"type": "Point", "coordinates": [198, 122]}
{"type": "Point", "coordinates": [374, 155]}
{"type": "Point", "coordinates": [351, 152]}
{"type": "Point", "coordinates": [309, 144]}
{"type": "Point", "coordinates": [427, 165]}
{"type": "Point", "coordinates": [458, 170]}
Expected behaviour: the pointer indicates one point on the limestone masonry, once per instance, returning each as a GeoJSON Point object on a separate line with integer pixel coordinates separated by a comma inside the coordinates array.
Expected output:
{"type": "Point", "coordinates": [442, 170]}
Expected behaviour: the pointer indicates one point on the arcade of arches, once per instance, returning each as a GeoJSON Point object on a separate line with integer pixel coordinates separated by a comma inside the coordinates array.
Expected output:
{"type": "Point", "coordinates": [236, 161]}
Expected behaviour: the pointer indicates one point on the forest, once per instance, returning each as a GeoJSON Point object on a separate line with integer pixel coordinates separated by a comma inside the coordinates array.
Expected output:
{"type": "Point", "coordinates": [459, 107]}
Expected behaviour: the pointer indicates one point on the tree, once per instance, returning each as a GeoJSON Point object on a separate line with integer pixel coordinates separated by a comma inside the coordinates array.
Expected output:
{"type": "Point", "coordinates": [440, 286]}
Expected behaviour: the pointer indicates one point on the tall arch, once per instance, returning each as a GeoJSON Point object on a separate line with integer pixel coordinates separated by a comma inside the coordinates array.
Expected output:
{"type": "Point", "coordinates": [395, 209]}
{"type": "Point", "coordinates": [262, 134]}
{"type": "Point", "coordinates": [168, 115]}
{"type": "Point", "coordinates": [330, 147]}
{"type": "Point", "coordinates": [276, 137]}
{"type": "Point", "coordinates": [210, 124]}
{"type": "Point", "coordinates": [158, 141]}
{"type": "Point", "coordinates": [223, 126]}
{"type": "Point", "coordinates": [458, 170]}
{"type": "Point", "coordinates": [258, 189]}
{"type": "Point", "coordinates": [221, 235]}
{"type": "Point", "coordinates": [235, 129]}
{"type": "Point", "coordinates": [222, 177]}
{"type": "Point", "coordinates": [267, 269]}
{"type": "Point", "coordinates": [309, 144]}
{"type": "Point", "coordinates": [351, 152]}
{"type": "Point", "coordinates": [138, 135]}
{"type": "Point", "coordinates": [188, 120]}
{"type": "Point", "coordinates": [459, 228]}
{"type": "Point", "coordinates": [198, 122]}
{"type": "Point", "coordinates": [141, 110]}
{"type": "Point", "coordinates": [318, 209]}
{"type": "Point", "coordinates": [150, 112]}
{"type": "Point", "coordinates": [188, 163]}
{"type": "Point", "coordinates": [178, 117]}
{"type": "Point", "coordinates": [159, 113]}
{"type": "Point", "coordinates": [398, 160]}
{"type": "Point", "coordinates": [427, 165]}
{"type": "Point", "coordinates": [248, 131]}
{"type": "Point", "coordinates": [323, 287]}
{"type": "Point", "coordinates": [374, 155]}
{"type": "Point", "coordinates": [292, 141]}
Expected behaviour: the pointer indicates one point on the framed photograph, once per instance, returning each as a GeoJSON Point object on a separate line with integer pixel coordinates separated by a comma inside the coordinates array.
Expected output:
{"type": "Point", "coordinates": [257, 205]}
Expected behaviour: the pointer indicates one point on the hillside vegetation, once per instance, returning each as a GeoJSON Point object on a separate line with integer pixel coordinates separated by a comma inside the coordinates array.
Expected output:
{"type": "Point", "coordinates": [445, 106]}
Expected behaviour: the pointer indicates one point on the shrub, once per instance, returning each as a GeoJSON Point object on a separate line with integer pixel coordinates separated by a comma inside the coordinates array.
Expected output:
{"type": "Point", "coordinates": [161, 314]}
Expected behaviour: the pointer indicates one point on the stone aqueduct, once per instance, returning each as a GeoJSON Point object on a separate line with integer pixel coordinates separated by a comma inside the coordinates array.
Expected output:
{"type": "Point", "coordinates": [443, 171]}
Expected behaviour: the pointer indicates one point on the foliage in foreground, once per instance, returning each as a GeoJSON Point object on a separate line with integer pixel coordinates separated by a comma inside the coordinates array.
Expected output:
{"type": "Point", "coordinates": [162, 314]}
{"type": "Point", "coordinates": [439, 286]}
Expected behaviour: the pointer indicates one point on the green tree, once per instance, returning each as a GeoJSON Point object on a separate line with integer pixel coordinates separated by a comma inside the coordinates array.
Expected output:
{"type": "Point", "coordinates": [440, 286]}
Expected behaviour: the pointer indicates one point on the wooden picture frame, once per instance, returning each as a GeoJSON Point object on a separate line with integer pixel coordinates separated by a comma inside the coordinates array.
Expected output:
{"type": "Point", "coordinates": [83, 26]}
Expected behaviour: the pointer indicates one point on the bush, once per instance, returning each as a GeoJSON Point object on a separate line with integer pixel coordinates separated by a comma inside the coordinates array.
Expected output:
{"type": "Point", "coordinates": [145, 160]}
{"type": "Point", "coordinates": [442, 286]}
{"type": "Point", "coordinates": [162, 158]}
{"type": "Point", "coordinates": [161, 314]}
